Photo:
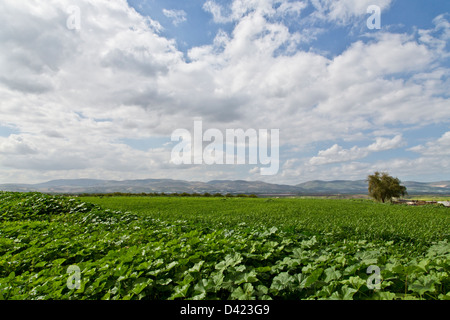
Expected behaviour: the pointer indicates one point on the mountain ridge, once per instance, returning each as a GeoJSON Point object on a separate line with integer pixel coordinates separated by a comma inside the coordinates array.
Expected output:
{"type": "Point", "coordinates": [315, 187]}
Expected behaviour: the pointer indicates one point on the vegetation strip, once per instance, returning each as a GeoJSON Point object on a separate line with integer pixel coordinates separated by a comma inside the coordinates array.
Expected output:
{"type": "Point", "coordinates": [210, 248]}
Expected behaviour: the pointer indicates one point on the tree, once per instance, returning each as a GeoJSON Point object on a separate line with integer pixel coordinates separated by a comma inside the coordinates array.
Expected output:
{"type": "Point", "coordinates": [383, 187]}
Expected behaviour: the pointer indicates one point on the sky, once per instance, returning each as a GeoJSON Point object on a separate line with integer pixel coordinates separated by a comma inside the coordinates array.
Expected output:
{"type": "Point", "coordinates": [95, 89]}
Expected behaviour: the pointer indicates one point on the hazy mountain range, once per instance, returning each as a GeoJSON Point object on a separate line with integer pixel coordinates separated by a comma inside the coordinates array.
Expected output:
{"type": "Point", "coordinates": [343, 187]}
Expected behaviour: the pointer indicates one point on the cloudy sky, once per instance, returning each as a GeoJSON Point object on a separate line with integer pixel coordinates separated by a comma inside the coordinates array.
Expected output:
{"type": "Point", "coordinates": [95, 89]}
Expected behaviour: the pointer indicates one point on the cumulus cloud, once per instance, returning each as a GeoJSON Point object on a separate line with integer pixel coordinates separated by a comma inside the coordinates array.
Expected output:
{"type": "Point", "coordinates": [383, 144]}
{"type": "Point", "coordinates": [74, 94]}
{"type": "Point", "coordinates": [337, 154]}
{"type": "Point", "coordinates": [440, 147]}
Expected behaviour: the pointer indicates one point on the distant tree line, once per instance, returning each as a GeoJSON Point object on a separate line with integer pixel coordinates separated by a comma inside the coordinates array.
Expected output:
{"type": "Point", "coordinates": [154, 194]}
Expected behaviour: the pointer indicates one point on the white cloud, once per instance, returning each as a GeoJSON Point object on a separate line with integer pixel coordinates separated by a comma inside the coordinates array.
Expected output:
{"type": "Point", "coordinates": [238, 9]}
{"type": "Point", "coordinates": [15, 145]}
{"type": "Point", "coordinates": [420, 169]}
{"type": "Point", "coordinates": [255, 171]}
{"type": "Point", "coordinates": [345, 11]}
{"type": "Point", "coordinates": [337, 154]}
{"type": "Point", "coordinates": [177, 16]}
{"type": "Point", "coordinates": [384, 144]}
{"type": "Point", "coordinates": [292, 8]}
{"type": "Point", "coordinates": [216, 11]}
{"type": "Point", "coordinates": [439, 36]}
{"type": "Point", "coordinates": [73, 95]}
{"type": "Point", "coordinates": [438, 148]}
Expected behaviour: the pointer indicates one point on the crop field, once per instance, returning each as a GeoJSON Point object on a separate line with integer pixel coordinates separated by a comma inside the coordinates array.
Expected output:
{"type": "Point", "coordinates": [165, 248]}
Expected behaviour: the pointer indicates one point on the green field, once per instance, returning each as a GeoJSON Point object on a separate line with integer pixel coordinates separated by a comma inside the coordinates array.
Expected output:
{"type": "Point", "coordinates": [163, 248]}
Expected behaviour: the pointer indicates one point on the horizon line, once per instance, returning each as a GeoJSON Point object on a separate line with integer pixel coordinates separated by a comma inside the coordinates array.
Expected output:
{"type": "Point", "coordinates": [198, 181]}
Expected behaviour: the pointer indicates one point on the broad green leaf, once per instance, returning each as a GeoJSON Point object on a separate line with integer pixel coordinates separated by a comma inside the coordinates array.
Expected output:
{"type": "Point", "coordinates": [163, 281]}
{"type": "Point", "coordinates": [385, 295]}
{"type": "Point", "coordinates": [243, 293]}
{"type": "Point", "coordinates": [422, 285]}
{"type": "Point", "coordinates": [369, 262]}
{"type": "Point", "coordinates": [200, 296]}
{"type": "Point", "coordinates": [352, 269]}
{"type": "Point", "coordinates": [313, 277]}
{"type": "Point", "coordinates": [197, 267]}
{"type": "Point", "coordinates": [107, 296]}
{"type": "Point", "coordinates": [40, 264]}
{"type": "Point", "coordinates": [217, 278]}
{"type": "Point", "coordinates": [247, 277]}
{"type": "Point", "coordinates": [282, 281]}
{"type": "Point", "coordinates": [301, 279]}
{"type": "Point", "coordinates": [262, 289]}
{"type": "Point", "coordinates": [180, 292]}
{"type": "Point", "coordinates": [291, 263]}
{"type": "Point", "coordinates": [322, 258]}
{"type": "Point", "coordinates": [140, 285]}
{"type": "Point", "coordinates": [188, 278]}
{"type": "Point", "coordinates": [423, 264]}
{"type": "Point", "coordinates": [329, 292]}
{"type": "Point", "coordinates": [308, 269]}
{"type": "Point", "coordinates": [230, 260]}
{"type": "Point", "coordinates": [263, 269]}
{"type": "Point", "coordinates": [332, 274]}
{"type": "Point", "coordinates": [309, 243]}
{"type": "Point", "coordinates": [240, 268]}
{"type": "Point", "coordinates": [341, 260]}
{"type": "Point", "coordinates": [127, 297]}
{"type": "Point", "coordinates": [345, 293]}
{"type": "Point", "coordinates": [444, 297]}
{"type": "Point", "coordinates": [171, 265]}
{"type": "Point", "coordinates": [297, 253]}
{"type": "Point", "coordinates": [200, 288]}
{"type": "Point", "coordinates": [58, 262]}
{"type": "Point", "coordinates": [355, 282]}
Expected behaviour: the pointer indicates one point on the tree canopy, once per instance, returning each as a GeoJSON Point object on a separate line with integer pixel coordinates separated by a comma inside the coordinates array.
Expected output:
{"type": "Point", "coordinates": [383, 187]}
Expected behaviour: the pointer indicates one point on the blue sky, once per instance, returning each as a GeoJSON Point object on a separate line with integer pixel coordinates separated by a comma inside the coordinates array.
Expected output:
{"type": "Point", "coordinates": [200, 29]}
{"type": "Point", "coordinates": [97, 92]}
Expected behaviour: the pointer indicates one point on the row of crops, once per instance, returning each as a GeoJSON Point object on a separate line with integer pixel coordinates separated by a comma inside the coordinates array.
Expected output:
{"type": "Point", "coordinates": [54, 247]}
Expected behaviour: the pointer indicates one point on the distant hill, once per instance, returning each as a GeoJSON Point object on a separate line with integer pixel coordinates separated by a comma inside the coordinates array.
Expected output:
{"type": "Point", "coordinates": [431, 187]}
{"type": "Point", "coordinates": [360, 187]}
{"type": "Point", "coordinates": [342, 187]}
{"type": "Point", "coordinates": [335, 187]}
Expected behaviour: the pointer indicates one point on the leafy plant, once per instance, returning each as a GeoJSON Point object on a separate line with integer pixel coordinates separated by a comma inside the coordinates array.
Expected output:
{"type": "Point", "coordinates": [141, 248]}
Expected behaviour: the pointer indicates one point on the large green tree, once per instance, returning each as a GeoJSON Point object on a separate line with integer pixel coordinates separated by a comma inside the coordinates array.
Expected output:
{"type": "Point", "coordinates": [383, 187]}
